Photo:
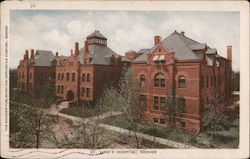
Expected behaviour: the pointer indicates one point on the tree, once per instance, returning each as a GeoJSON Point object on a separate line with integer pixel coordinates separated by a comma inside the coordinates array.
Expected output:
{"type": "Point", "coordinates": [126, 99]}
{"type": "Point", "coordinates": [30, 121]}
{"type": "Point", "coordinates": [214, 118]}
{"type": "Point", "coordinates": [173, 109]}
{"type": "Point", "coordinates": [87, 134]}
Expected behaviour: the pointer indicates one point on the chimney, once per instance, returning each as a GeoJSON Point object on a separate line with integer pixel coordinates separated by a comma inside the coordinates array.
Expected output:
{"type": "Point", "coordinates": [157, 39]}
{"type": "Point", "coordinates": [229, 52]}
{"type": "Point", "coordinates": [32, 54]}
{"type": "Point", "coordinates": [86, 48]}
{"type": "Point", "coordinates": [76, 48]}
{"type": "Point", "coordinates": [26, 55]}
{"type": "Point", "coordinates": [56, 54]}
{"type": "Point", "coordinates": [183, 33]}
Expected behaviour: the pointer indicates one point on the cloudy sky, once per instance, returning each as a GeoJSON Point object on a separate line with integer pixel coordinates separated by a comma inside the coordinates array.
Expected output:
{"type": "Point", "coordinates": [125, 30]}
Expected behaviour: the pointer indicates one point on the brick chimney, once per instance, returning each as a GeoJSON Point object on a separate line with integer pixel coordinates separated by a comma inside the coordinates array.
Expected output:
{"type": "Point", "coordinates": [56, 54]}
{"type": "Point", "coordinates": [183, 33]}
{"type": "Point", "coordinates": [86, 53]}
{"type": "Point", "coordinates": [32, 54]}
{"type": "Point", "coordinates": [157, 39]}
{"type": "Point", "coordinates": [26, 55]}
{"type": "Point", "coordinates": [86, 47]}
{"type": "Point", "coordinates": [229, 52]}
{"type": "Point", "coordinates": [76, 48]}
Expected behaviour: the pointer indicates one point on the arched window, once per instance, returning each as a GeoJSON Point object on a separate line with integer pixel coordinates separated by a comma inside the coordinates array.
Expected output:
{"type": "Point", "coordinates": [159, 80]}
{"type": "Point", "coordinates": [83, 77]}
{"type": "Point", "coordinates": [59, 76]}
{"type": "Point", "coordinates": [182, 82]}
{"type": "Point", "coordinates": [88, 77]}
{"type": "Point", "coordinates": [142, 80]}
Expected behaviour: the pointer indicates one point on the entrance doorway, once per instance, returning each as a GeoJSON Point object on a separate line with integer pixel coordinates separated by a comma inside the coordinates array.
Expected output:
{"type": "Point", "coordinates": [70, 95]}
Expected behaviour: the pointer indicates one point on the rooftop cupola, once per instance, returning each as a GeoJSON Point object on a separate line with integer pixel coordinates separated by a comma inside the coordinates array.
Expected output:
{"type": "Point", "coordinates": [97, 38]}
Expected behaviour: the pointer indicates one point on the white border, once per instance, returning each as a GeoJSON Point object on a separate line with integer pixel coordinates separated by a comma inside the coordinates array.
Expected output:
{"type": "Point", "coordinates": [242, 6]}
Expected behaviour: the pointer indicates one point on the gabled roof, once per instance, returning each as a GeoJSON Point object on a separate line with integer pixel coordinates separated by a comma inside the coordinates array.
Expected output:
{"type": "Point", "coordinates": [96, 34]}
{"type": "Point", "coordinates": [197, 46]}
{"type": "Point", "coordinates": [98, 53]}
{"type": "Point", "coordinates": [211, 51]}
{"type": "Point", "coordinates": [43, 58]}
{"type": "Point", "coordinates": [180, 44]}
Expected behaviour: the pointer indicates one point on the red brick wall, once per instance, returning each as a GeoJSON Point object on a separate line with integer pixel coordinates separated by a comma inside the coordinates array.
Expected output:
{"type": "Point", "coordinates": [69, 67]}
{"type": "Point", "coordinates": [105, 75]}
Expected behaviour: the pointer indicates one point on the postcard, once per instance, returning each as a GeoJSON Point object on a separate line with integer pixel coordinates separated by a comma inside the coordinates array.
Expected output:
{"type": "Point", "coordinates": [124, 79]}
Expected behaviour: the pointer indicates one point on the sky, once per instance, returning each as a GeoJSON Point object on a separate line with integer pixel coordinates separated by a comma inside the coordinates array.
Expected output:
{"type": "Point", "coordinates": [58, 30]}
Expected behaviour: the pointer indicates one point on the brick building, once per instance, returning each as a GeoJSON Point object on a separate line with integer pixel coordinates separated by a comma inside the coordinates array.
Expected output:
{"type": "Point", "coordinates": [84, 74]}
{"type": "Point", "coordinates": [190, 69]}
{"type": "Point", "coordinates": [36, 71]}
{"type": "Point", "coordinates": [178, 64]}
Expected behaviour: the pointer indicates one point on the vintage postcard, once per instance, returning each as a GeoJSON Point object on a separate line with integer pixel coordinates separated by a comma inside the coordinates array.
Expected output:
{"type": "Point", "coordinates": [124, 79]}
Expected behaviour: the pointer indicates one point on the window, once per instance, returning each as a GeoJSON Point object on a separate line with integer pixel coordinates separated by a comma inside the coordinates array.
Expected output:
{"type": "Point", "coordinates": [218, 78]}
{"type": "Point", "coordinates": [83, 91]}
{"type": "Point", "coordinates": [88, 77]}
{"type": "Point", "coordinates": [211, 80]}
{"type": "Point", "coordinates": [59, 76]}
{"type": "Point", "coordinates": [162, 121]}
{"type": "Point", "coordinates": [159, 80]}
{"type": "Point", "coordinates": [62, 89]}
{"type": "Point", "coordinates": [87, 93]}
{"type": "Point", "coordinates": [58, 89]}
{"type": "Point", "coordinates": [163, 101]}
{"type": "Point", "coordinates": [182, 82]}
{"type": "Point", "coordinates": [202, 104]}
{"type": "Point", "coordinates": [156, 103]}
{"type": "Point", "coordinates": [83, 77]}
{"type": "Point", "coordinates": [104, 77]}
{"type": "Point", "coordinates": [143, 100]}
{"type": "Point", "coordinates": [62, 76]}
{"type": "Point", "coordinates": [215, 80]}
{"type": "Point", "coordinates": [67, 78]}
{"type": "Point", "coordinates": [22, 85]}
{"type": "Point", "coordinates": [207, 81]}
{"type": "Point", "coordinates": [22, 74]}
{"type": "Point", "coordinates": [202, 81]}
{"type": "Point", "coordinates": [30, 75]}
{"type": "Point", "coordinates": [30, 85]}
{"type": "Point", "coordinates": [73, 76]}
{"type": "Point", "coordinates": [142, 80]}
{"type": "Point", "coordinates": [181, 103]}
{"type": "Point", "coordinates": [155, 120]}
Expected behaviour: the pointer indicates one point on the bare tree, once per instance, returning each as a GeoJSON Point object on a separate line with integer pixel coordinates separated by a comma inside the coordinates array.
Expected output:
{"type": "Point", "coordinates": [214, 117]}
{"type": "Point", "coordinates": [127, 100]}
{"type": "Point", "coordinates": [30, 121]}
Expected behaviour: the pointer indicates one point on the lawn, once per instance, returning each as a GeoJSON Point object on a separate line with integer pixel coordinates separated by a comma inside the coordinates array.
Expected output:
{"type": "Point", "coordinates": [153, 129]}
{"type": "Point", "coordinates": [79, 111]}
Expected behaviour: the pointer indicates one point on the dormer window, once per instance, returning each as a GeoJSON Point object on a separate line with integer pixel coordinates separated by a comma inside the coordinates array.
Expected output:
{"type": "Point", "coordinates": [159, 58]}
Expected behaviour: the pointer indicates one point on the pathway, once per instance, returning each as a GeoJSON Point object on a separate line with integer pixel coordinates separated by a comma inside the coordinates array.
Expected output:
{"type": "Point", "coordinates": [162, 141]}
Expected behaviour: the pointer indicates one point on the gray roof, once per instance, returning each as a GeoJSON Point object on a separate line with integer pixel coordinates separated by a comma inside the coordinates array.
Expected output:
{"type": "Point", "coordinates": [98, 53]}
{"type": "Point", "coordinates": [125, 59]}
{"type": "Point", "coordinates": [211, 51]}
{"type": "Point", "coordinates": [184, 48]}
{"type": "Point", "coordinates": [96, 34]}
{"type": "Point", "coordinates": [141, 51]}
{"type": "Point", "coordinates": [130, 51]}
{"type": "Point", "coordinates": [43, 58]}
{"type": "Point", "coordinates": [209, 61]}
{"type": "Point", "coordinates": [197, 46]}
